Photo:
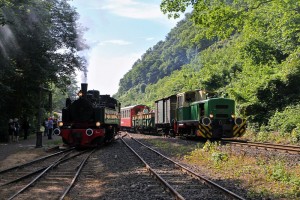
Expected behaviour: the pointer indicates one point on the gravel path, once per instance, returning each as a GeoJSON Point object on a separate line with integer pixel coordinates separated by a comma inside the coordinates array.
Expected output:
{"type": "Point", "coordinates": [8, 149]}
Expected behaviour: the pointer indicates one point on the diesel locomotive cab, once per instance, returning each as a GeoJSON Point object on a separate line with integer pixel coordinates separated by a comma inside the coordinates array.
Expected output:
{"type": "Point", "coordinates": [198, 115]}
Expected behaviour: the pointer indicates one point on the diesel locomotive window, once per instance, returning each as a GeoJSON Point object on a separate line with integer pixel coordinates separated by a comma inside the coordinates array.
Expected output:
{"type": "Point", "coordinates": [221, 106]}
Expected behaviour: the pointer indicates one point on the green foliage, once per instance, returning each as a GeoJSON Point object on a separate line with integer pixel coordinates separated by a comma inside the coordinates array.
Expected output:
{"type": "Point", "coordinates": [262, 136]}
{"type": "Point", "coordinates": [166, 56]}
{"type": "Point", "coordinates": [252, 55]}
{"type": "Point", "coordinates": [278, 172]}
{"type": "Point", "coordinates": [218, 157]}
{"type": "Point", "coordinates": [296, 134]}
{"type": "Point", "coordinates": [39, 49]}
{"type": "Point", "coordinates": [286, 121]}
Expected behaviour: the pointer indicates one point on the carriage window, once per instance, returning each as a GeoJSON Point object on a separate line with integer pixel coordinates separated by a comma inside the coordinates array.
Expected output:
{"type": "Point", "coordinates": [221, 106]}
{"type": "Point", "coordinates": [190, 97]}
{"type": "Point", "coordinates": [180, 101]}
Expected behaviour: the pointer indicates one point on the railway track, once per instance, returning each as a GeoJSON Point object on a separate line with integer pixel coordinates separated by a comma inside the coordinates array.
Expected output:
{"type": "Point", "coordinates": [181, 182]}
{"type": "Point", "coordinates": [292, 149]}
{"type": "Point", "coordinates": [50, 177]}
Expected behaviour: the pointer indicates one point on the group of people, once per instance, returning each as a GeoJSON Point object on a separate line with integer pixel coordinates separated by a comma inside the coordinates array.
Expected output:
{"type": "Point", "coordinates": [14, 129]}
{"type": "Point", "coordinates": [49, 124]}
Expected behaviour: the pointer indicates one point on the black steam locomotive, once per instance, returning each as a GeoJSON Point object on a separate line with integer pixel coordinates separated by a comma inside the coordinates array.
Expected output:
{"type": "Point", "coordinates": [90, 120]}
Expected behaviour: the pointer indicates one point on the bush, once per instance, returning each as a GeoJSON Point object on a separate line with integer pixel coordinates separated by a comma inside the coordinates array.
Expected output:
{"type": "Point", "coordinates": [218, 157]}
{"type": "Point", "coordinates": [285, 121]}
{"type": "Point", "coordinates": [262, 136]}
{"type": "Point", "coordinates": [279, 173]}
{"type": "Point", "coordinates": [296, 134]}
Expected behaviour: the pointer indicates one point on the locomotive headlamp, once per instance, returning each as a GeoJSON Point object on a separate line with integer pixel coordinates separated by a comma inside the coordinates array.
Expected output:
{"type": "Point", "coordinates": [206, 121]}
{"type": "Point", "coordinates": [89, 132]}
{"type": "Point", "coordinates": [98, 124]}
{"type": "Point", "coordinates": [80, 93]}
{"type": "Point", "coordinates": [211, 115]}
{"type": "Point", "coordinates": [56, 131]}
{"type": "Point", "coordinates": [238, 121]}
{"type": "Point", "coordinates": [60, 124]}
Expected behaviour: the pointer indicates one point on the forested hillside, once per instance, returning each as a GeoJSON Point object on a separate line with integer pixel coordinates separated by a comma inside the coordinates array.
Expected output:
{"type": "Point", "coordinates": [252, 54]}
{"type": "Point", "coordinates": [165, 57]}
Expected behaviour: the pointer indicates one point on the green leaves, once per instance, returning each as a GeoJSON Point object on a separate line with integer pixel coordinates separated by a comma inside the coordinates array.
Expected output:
{"type": "Point", "coordinates": [40, 46]}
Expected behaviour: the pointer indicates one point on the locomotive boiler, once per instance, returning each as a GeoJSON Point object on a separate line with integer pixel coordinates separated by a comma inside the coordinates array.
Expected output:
{"type": "Point", "coordinates": [90, 120]}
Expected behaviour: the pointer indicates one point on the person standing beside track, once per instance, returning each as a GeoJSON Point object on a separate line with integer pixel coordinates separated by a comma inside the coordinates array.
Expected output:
{"type": "Point", "coordinates": [17, 129]}
{"type": "Point", "coordinates": [50, 128]}
{"type": "Point", "coordinates": [11, 129]}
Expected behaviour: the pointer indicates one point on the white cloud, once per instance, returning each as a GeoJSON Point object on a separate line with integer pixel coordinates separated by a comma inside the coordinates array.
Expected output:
{"type": "Point", "coordinates": [133, 9]}
{"type": "Point", "coordinates": [105, 71]}
{"type": "Point", "coordinates": [136, 9]}
{"type": "Point", "coordinates": [115, 42]}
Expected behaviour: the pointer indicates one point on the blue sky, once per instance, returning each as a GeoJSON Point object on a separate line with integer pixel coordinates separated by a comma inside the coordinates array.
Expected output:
{"type": "Point", "coordinates": [119, 32]}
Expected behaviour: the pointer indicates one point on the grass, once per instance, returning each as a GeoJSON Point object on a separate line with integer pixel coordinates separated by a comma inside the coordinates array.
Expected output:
{"type": "Point", "coordinates": [54, 142]}
{"type": "Point", "coordinates": [272, 137]}
{"type": "Point", "coordinates": [261, 177]}
{"type": "Point", "coordinates": [176, 149]}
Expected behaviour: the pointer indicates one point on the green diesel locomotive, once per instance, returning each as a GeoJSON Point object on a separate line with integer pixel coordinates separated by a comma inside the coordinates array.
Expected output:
{"type": "Point", "coordinates": [192, 114]}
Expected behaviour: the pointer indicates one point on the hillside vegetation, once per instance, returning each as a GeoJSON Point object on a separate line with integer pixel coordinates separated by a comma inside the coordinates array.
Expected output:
{"type": "Point", "coordinates": [246, 49]}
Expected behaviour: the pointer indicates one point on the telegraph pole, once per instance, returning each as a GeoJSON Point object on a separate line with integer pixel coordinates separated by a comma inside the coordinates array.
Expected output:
{"type": "Point", "coordinates": [39, 133]}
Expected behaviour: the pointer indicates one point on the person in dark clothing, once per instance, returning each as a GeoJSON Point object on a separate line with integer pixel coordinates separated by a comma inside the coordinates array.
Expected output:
{"type": "Point", "coordinates": [25, 128]}
{"type": "Point", "coordinates": [50, 128]}
{"type": "Point", "coordinates": [11, 129]}
{"type": "Point", "coordinates": [17, 129]}
{"type": "Point", "coordinates": [45, 125]}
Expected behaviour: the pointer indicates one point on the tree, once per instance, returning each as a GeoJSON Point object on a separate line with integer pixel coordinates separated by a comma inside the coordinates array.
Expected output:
{"type": "Point", "coordinates": [42, 53]}
{"type": "Point", "coordinates": [222, 18]}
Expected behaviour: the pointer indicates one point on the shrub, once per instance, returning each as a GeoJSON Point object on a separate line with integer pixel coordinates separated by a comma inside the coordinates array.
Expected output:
{"type": "Point", "coordinates": [296, 134]}
{"type": "Point", "coordinates": [262, 136]}
{"type": "Point", "coordinates": [279, 173]}
{"type": "Point", "coordinates": [218, 157]}
{"type": "Point", "coordinates": [285, 121]}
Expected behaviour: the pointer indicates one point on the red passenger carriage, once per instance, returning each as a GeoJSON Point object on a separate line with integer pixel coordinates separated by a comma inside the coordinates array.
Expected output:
{"type": "Point", "coordinates": [128, 112]}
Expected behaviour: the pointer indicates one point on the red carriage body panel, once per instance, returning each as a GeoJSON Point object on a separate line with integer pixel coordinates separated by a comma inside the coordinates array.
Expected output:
{"type": "Point", "coordinates": [128, 112]}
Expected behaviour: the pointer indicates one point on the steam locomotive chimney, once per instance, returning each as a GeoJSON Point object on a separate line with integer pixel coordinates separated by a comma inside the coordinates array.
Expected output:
{"type": "Point", "coordinates": [84, 89]}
